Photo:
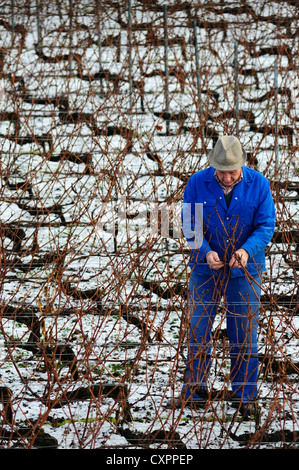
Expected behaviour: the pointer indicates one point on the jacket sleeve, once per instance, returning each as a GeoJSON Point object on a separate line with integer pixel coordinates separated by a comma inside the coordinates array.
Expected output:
{"type": "Point", "coordinates": [263, 223]}
{"type": "Point", "coordinates": [192, 221]}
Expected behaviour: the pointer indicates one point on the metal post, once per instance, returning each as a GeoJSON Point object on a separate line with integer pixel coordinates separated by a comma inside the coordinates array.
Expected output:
{"type": "Point", "coordinates": [236, 87]}
{"type": "Point", "coordinates": [99, 42]}
{"type": "Point", "coordinates": [130, 53]}
{"type": "Point", "coordinates": [198, 77]}
{"type": "Point", "coordinates": [196, 57]}
{"type": "Point", "coordinates": [276, 114]}
{"type": "Point", "coordinates": [166, 72]}
{"type": "Point", "coordinates": [12, 17]}
{"type": "Point", "coordinates": [71, 35]}
{"type": "Point", "coordinates": [38, 26]}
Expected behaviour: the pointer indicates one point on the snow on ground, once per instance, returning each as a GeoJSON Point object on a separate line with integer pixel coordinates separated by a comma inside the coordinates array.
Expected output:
{"type": "Point", "coordinates": [147, 357]}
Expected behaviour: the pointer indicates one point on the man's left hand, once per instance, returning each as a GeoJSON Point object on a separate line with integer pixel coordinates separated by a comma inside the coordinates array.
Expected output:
{"type": "Point", "coordinates": [239, 259]}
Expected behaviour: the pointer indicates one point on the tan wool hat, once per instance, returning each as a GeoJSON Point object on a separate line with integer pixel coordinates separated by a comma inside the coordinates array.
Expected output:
{"type": "Point", "coordinates": [228, 154]}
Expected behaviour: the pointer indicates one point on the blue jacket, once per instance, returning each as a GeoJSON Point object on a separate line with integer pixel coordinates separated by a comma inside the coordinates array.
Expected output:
{"type": "Point", "coordinates": [248, 223]}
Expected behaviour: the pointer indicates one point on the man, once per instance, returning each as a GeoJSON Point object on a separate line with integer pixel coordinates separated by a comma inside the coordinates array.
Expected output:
{"type": "Point", "coordinates": [228, 219]}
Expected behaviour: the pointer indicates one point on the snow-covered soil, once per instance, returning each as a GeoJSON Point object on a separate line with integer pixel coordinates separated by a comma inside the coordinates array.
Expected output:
{"type": "Point", "coordinates": [93, 290]}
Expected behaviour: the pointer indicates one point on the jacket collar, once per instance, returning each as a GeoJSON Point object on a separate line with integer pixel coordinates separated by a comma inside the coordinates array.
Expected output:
{"type": "Point", "coordinates": [247, 175]}
{"type": "Point", "coordinates": [225, 189]}
{"type": "Point", "coordinates": [218, 192]}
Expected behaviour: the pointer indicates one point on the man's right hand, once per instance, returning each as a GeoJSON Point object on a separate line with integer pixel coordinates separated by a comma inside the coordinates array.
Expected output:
{"type": "Point", "coordinates": [213, 260]}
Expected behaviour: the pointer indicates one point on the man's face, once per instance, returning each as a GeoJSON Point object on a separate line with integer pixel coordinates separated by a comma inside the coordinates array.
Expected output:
{"type": "Point", "coordinates": [228, 178]}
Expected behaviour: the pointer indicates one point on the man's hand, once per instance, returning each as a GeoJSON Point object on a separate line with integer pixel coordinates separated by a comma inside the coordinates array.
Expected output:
{"type": "Point", "coordinates": [239, 259]}
{"type": "Point", "coordinates": [213, 260]}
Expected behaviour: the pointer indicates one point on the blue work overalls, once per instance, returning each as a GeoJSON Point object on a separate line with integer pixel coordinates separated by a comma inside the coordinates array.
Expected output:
{"type": "Point", "coordinates": [248, 222]}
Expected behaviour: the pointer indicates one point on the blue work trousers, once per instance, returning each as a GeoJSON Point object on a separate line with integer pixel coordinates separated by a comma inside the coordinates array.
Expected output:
{"type": "Point", "coordinates": [241, 297]}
